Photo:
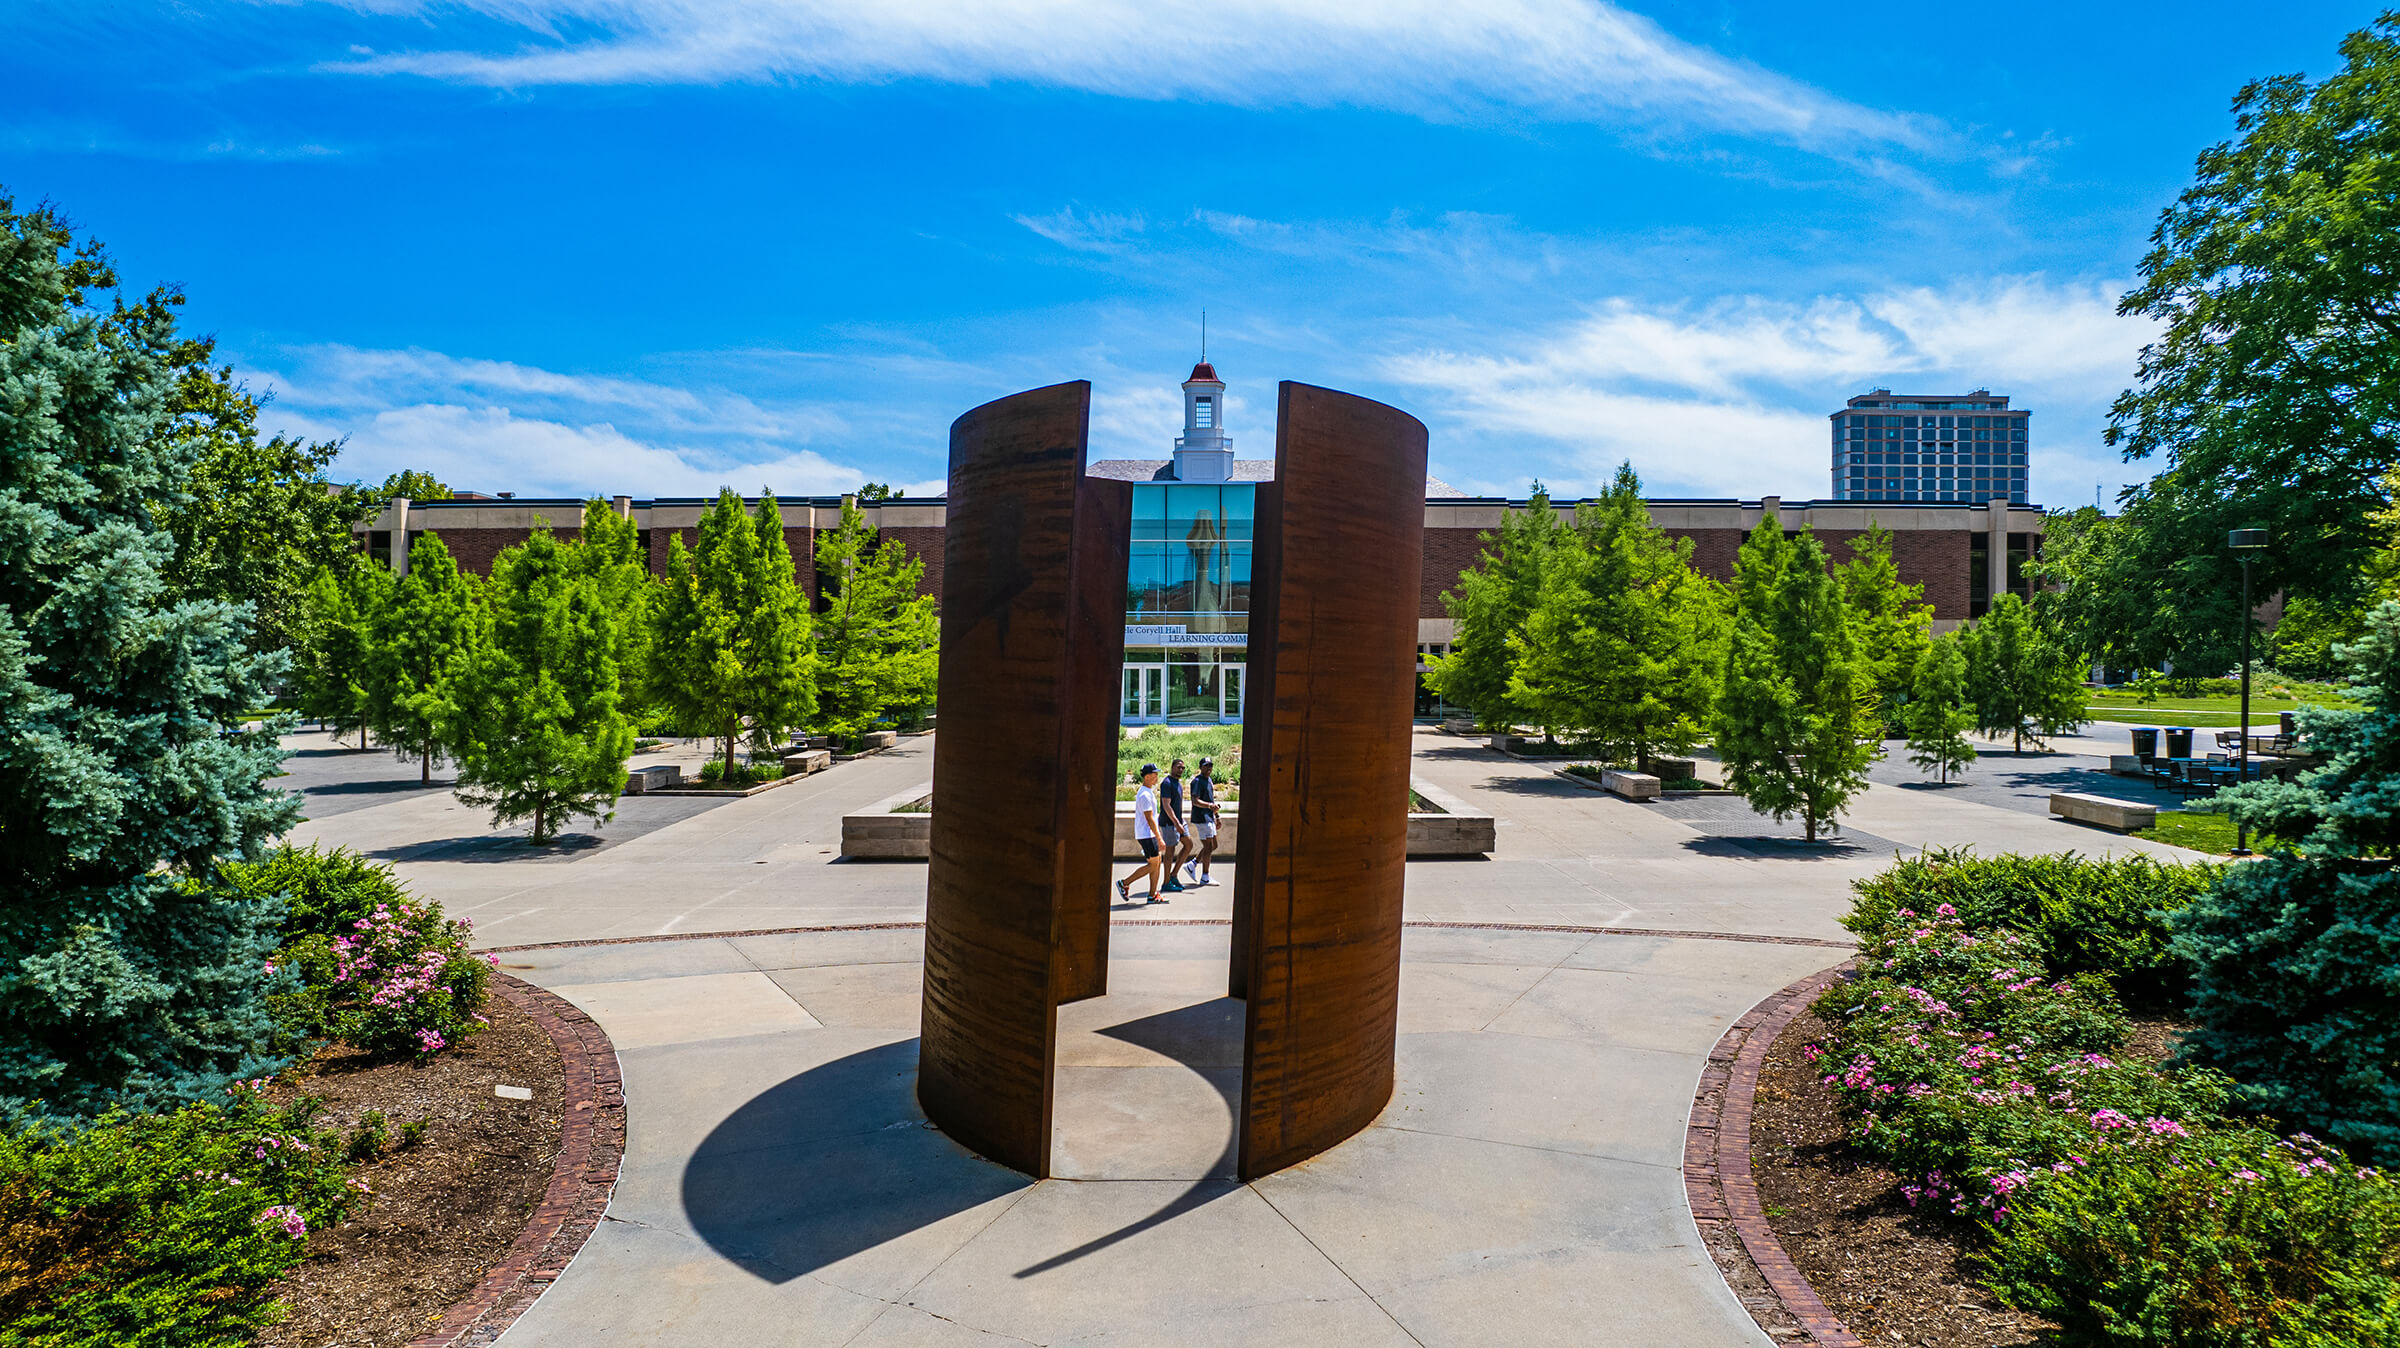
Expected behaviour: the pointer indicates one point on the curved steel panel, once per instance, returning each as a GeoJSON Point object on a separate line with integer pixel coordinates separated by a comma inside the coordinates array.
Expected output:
{"type": "Point", "coordinates": [1325, 752]}
{"type": "Point", "coordinates": [1016, 857]}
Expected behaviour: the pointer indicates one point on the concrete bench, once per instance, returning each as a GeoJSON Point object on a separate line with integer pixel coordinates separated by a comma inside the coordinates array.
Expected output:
{"type": "Point", "coordinates": [2122, 816]}
{"type": "Point", "coordinates": [1630, 785]}
{"type": "Point", "coordinates": [801, 762]}
{"type": "Point", "coordinates": [656, 777]}
{"type": "Point", "coordinates": [1669, 769]}
{"type": "Point", "coordinates": [878, 739]}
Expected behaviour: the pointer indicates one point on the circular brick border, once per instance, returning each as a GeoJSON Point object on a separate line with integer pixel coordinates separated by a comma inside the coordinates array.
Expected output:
{"type": "Point", "coordinates": [1716, 1172]}
{"type": "Point", "coordinates": [591, 1144]}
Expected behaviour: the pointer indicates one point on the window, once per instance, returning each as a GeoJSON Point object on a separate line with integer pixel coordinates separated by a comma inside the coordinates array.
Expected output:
{"type": "Point", "coordinates": [1204, 411]}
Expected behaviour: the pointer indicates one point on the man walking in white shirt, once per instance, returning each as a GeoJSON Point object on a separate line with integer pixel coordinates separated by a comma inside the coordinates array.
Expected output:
{"type": "Point", "coordinates": [1145, 835]}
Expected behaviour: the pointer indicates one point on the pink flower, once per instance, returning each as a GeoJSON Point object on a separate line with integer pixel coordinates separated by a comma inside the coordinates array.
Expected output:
{"type": "Point", "coordinates": [286, 1216]}
{"type": "Point", "coordinates": [2109, 1118]}
{"type": "Point", "coordinates": [1945, 911]}
{"type": "Point", "coordinates": [2166, 1128]}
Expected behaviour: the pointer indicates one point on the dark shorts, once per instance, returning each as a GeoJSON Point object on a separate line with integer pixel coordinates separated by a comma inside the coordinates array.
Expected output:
{"type": "Point", "coordinates": [1149, 846]}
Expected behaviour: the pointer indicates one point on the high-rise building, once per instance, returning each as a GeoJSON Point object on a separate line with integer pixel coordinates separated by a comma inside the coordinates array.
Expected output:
{"type": "Point", "coordinates": [1956, 447]}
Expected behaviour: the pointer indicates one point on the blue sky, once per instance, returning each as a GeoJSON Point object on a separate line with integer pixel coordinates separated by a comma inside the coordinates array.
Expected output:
{"type": "Point", "coordinates": [651, 246]}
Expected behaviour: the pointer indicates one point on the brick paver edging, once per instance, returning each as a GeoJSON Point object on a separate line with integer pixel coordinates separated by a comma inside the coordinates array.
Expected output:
{"type": "Point", "coordinates": [591, 1144]}
{"type": "Point", "coordinates": [1184, 922]}
{"type": "Point", "coordinates": [1716, 1159]}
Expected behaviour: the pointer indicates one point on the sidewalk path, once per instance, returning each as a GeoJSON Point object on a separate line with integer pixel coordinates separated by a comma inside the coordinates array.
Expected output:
{"type": "Point", "coordinates": [781, 1186]}
{"type": "Point", "coordinates": [1523, 1187]}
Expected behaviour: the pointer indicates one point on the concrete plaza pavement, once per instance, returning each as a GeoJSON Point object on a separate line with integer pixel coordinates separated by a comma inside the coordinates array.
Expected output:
{"type": "Point", "coordinates": [780, 1186]}
{"type": "Point", "coordinates": [1524, 1187]}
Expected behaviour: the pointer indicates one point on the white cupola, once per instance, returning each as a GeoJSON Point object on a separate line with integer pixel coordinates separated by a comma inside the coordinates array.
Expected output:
{"type": "Point", "coordinates": [1204, 452]}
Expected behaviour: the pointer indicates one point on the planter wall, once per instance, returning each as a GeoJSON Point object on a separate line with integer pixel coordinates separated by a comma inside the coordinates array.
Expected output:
{"type": "Point", "coordinates": [878, 833]}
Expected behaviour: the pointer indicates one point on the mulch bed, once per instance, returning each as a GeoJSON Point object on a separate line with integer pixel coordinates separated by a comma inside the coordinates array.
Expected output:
{"type": "Point", "coordinates": [1896, 1276]}
{"type": "Point", "coordinates": [441, 1213]}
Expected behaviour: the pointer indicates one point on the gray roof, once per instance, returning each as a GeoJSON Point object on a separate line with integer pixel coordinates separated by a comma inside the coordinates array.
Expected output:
{"type": "Point", "coordinates": [1244, 470]}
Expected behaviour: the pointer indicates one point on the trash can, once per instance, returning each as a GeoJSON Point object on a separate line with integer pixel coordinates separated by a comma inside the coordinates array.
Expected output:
{"type": "Point", "coordinates": [2179, 742]}
{"type": "Point", "coordinates": [2145, 743]}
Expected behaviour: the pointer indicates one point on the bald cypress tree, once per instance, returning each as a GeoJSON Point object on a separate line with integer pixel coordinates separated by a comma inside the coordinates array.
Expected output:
{"type": "Point", "coordinates": [127, 976]}
{"type": "Point", "coordinates": [733, 629]}
{"type": "Point", "coordinates": [544, 735]}
{"type": "Point", "coordinates": [1799, 703]}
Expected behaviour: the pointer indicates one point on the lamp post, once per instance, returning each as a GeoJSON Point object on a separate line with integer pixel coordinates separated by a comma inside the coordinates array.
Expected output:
{"type": "Point", "coordinates": [2244, 543]}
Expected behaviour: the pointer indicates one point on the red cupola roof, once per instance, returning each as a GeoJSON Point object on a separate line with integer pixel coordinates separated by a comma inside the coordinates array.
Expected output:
{"type": "Point", "coordinates": [1204, 372]}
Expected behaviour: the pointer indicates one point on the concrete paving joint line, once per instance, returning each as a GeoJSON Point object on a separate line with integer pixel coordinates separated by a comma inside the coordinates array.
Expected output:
{"type": "Point", "coordinates": [1716, 1169]}
{"type": "Point", "coordinates": [1662, 933]}
{"type": "Point", "coordinates": [582, 1178]}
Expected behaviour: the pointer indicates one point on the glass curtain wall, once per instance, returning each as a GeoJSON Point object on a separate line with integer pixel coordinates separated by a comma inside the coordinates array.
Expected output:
{"type": "Point", "coordinates": [1187, 601]}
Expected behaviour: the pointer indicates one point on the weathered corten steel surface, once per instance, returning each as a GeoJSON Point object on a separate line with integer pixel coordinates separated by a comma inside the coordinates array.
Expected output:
{"type": "Point", "coordinates": [1015, 858]}
{"type": "Point", "coordinates": [1087, 812]}
{"type": "Point", "coordinates": [1325, 743]}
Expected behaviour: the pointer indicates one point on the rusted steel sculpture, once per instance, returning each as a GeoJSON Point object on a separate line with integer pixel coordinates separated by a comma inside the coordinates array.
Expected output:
{"type": "Point", "coordinates": [1024, 787]}
{"type": "Point", "coordinates": [1323, 830]}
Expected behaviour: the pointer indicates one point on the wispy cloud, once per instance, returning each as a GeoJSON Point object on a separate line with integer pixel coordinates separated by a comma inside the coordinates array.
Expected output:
{"type": "Point", "coordinates": [1730, 398]}
{"type": "Point", "coordinates": [1084, 231]}
{"type": "Point", "coordinates": [498, 425]}
{"type": "Point", "coordinates": [1577, 60]}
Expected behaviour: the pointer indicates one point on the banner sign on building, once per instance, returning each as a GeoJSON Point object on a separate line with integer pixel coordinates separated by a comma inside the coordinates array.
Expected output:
{"type": "Point", "coordinates": [1173, 634]}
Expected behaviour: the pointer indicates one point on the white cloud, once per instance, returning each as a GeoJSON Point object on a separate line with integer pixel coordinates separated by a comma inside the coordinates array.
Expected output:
{"type": "Point", "coordinates": [1561, 59]}
{"type": "Point", "coordinates": [1730, 398]}
{"type": "Point", "coordinates": [490, 425]}
{"type": "Point", "coordinates": [1084, 232]}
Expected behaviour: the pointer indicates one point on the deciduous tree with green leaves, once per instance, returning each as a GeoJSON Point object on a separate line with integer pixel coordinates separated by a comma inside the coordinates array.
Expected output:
{"type": "Point", "coordinates": [128, 975]}
{"type": "Point", "coordinates": [2023, 683]}
{"type": "Point", "coordinates": [733, 629]}
{"type": "Point", "coordinates": [2272, 392]}
{"type": "Point", "coordinates": [1795, 724]}
{"type": "Point", "coordinates": [256, 519]}
{"type": "Point", "coordinates": [414, 646]}
{"type": "Point", "coordinates": [1889, 617]}
{"type": "Point", "coordinates": [1625, 642]}
{"type": "Point", "coordinates": [333, 680]}
{"type": "Point", "coordinates": [1490, 605]}
{"type": "Point", "coordinates": [878, 641]}
{"type": "Point", "coordinates": [1938, 712]}
{"type": "Point", "coordinates": [609, 551]}
{"type": "Point", "coordinates": [543, 735]}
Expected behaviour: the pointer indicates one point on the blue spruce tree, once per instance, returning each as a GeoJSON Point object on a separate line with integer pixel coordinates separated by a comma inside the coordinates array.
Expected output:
{"type": "Point", "coordinates": [125, 975]}
{"type": "Point", "coordinates": [2296, 956]}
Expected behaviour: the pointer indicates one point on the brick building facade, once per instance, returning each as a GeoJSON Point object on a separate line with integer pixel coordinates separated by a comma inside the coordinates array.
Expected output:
{"type": "Point", "coordinates": [1959, 553]}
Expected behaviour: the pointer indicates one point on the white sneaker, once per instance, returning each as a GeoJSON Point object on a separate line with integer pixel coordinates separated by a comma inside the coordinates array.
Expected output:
{"type": "Point", "coordinates": [1192, 869]}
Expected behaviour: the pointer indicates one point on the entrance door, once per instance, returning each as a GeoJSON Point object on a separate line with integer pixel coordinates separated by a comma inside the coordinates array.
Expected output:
{"type": "Point", "coordinates": [1229, 691]}
{"type": "Point", "coordinates": [1145, 693]}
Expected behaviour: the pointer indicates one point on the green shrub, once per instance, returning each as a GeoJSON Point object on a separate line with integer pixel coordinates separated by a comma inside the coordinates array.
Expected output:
{"type": "Point", "coordinates": [160, 1229]}
{"type": "Point", "coordinates": [2088, 916]}
{"type": "Point", "coordinates": [2215, 1239]}
{"type": "Point", "coordinates": [369, 1139]}
{"type": "Point", "coordinates": [712, 773]}
{"type": "Point", "coordinates": [369, 964]}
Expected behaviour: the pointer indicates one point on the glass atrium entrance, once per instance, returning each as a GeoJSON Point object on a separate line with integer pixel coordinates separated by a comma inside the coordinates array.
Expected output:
{"type": "Point", "coordinates": [1187, 603]}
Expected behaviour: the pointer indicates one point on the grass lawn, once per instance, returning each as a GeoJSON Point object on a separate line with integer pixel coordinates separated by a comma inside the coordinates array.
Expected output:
{"type": "Point", "coordinates": [2215, 712]}
{"type": "Point", "coordinates": [2200, 832]}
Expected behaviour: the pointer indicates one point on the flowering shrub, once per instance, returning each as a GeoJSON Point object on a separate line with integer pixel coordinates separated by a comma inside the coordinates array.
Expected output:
{"type": "Point", "coordinates": [400, 980]}
{"type": "Point", "coordinates": [2207, 1239]}
{"type": "Point", "coordinates": [161, 1228]}
{"type": "Point", "coordinates": [2105, 917]}
{"type": "Point", "coordinates": [2119, 1199]}
{"type": "Point", "coordinates": [368, 964]}
{"type": "Point", "coordinates": [1972, 1068]}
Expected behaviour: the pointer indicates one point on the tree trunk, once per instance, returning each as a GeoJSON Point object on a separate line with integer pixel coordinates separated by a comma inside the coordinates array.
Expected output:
{"type": "Point", "coordinates": [425, 768]}
{"type": "Point", "coordinates": [537, 824]}
{"type": "Point", "coordinates": [1811, 821]}
{"type": "Point", "coordinates": [362, 739]}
